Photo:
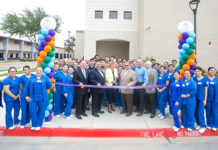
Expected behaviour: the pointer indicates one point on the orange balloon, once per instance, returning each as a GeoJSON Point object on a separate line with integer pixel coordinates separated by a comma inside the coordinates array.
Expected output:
{"type": "Point", "coordinates": [193, 56]}
{"type": "Point", "coordinates": [39, 59]}
{"type": "Point", "coordinates": [52, 79]}
{"type": "Point", "coordinates": [181, 76]}
{"type": "Point", "coordinates": [181, 71]}
{"type": "Point", "coordinates": [48, 91]}
{"type": "Point", "coordinates": [43, 54]}
{"type": "Point", "coordinates": [53, 38]}
{"type": "Point", "coordinates": [179, 36]}
{"type": "Point", "coordinates": [47, 48]}
{"type": "Point", "coordinates": [190, 62]}
{"type": "Point", "coordinates": [185, 67]}
{"type": "Point", "coordinates": [194, 51]}
{"type": "Point", "coordinates": [38, 64]}
{"type": "Point", "coordinates": [51, 43]}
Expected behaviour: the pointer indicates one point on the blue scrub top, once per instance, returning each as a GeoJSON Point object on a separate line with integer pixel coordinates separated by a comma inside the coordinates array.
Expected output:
{"type": "Point", "coordinates": [171, 77]}
{"type": "Point", "coordinates": [24, 83]}
{"type": "Point", "coordinates": [14, 85]}
{"type": "Point", "coordinates": [211, 89]}
{"type": "Point", "coordinates": [162, 79]}
{"type": "Point", "coordinates": [37, 90]}
{"type": "Point", "coordinates": [176, 90]}
{"type": "Point", "coordinates": [201, 84]}
{"type": "Point", "coordinates": [68, 89]}
{"type": "Point", "coordinates": [190, 88]}
{"type": "Point", "coordinates": [1, 87]}
{"type": "Point", "coordinates": [59, 76]}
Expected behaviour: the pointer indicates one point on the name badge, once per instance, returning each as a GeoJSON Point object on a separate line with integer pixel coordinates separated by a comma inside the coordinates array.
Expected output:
{"type": "Point", "coordinates": [183, 85]}
{"type": "Point", "coordinates": [39, 81]}
{"type": "Point", "coordinates": [187, 84]}
{"type": "Point", "coordinates": [199, 83]}
{"type": "Point", "coordinates": [177, 85]}
{"type": "Point", "coordinates": [211, 82]}
{"type": "Point", "coordinates": [160, 78]}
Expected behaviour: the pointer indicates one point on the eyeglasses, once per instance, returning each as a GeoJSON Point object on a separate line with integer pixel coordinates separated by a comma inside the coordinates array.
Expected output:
{"type": "Point", "coordinates": [13, 71]}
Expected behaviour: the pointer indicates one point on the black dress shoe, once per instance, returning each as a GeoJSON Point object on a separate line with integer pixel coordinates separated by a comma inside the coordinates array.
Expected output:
{"type": "Point", "coordinates": [152, 116]}
{"type": "Point", "coordinates": [95, 115]}
{"type": "Point", "coordinates": [85, 115]}
{"type": "Point", "coordinates": [101, 112]}
{"type": "Point", "coordinates": [79, 117]}
{"type": "Point", "coordinates": [109, 111]}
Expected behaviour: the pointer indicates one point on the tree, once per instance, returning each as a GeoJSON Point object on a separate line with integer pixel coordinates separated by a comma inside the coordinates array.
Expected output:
{"type": "Point", "coordinates": [69, 44]}
{"type": "Point", "coordinates": [27, 24]}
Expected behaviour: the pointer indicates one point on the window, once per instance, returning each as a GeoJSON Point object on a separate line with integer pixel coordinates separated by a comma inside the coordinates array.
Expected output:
{"type": "Point", "coordinates": [98, 14]}
{"type": "Point", "coordinates": [28, 55]}
{"type": "Point", "coordinates": [1, 55]}
{"type": "Point", "coordinates": [17, 55]}
{"type": "Point", "coordinates": [127, 14]}
{"type": "Point", "coordinates": [24, 56]}
{"type": "Point", "coordinates": [113, 14]}
{"type": "Point", "coordinates": [11, 55]}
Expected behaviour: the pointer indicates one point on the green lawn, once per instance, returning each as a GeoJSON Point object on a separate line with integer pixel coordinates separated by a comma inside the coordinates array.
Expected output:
{"type": "Point", "coordinates": [19, 72]}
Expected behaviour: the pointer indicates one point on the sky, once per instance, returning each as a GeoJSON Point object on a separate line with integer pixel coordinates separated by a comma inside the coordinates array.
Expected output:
{"type": "Point", "coordinates": [72, 13]}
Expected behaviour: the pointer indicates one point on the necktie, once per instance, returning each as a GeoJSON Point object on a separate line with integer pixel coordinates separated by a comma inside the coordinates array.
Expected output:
{"type": "Point", "coordinates": [84, 73]}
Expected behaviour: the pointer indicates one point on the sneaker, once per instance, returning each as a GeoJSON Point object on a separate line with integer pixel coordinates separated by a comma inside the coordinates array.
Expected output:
{"type": "Point", "coordinates": [159, 115]}
{"type": "Point", "coordinates": [202, 130]}
{"type": "Point", "coordinates": [68, 118]}
{"type": "Point", "coordinates": [28, 125]}
{"type": "Point", "coordinates": [71, 116]}
{"type": "Point", "coordinates": [12, 128]}
{"type": "Point", "coordinates": [175, 129]}
{"type": "Point", "coordinates": [16, 125]}
{"type": "Point", "coordinates": [162, 117]}
{"type": "Point", "coordinates": [214, 129]}
{"type": "Point", "coordinates": [22, 127]}
{"type": "Point", "coordinates": [32, 128]}
{"type": "Point", "coordinates": [37, 128]}
{"type": "Point", "coordinates": [189, 129]}
{"type": "Point", "coordinates": [197, 127]}
{"type": "Point", "coordinates": [57, 116]}
{"type": "Point", "coordinates": [182, 127]}
{"type": "Point", "coordinates": [208, 127]}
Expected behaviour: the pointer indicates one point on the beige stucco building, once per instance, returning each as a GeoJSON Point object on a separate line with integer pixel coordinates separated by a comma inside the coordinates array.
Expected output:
{"type": "Point", "coordinates": [133, 28]}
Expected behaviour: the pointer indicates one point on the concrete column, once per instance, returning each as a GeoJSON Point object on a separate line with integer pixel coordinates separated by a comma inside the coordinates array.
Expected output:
{"type": "Point", "coordinates": [59, 55]}
{"type": "Point", "coordinates": [5, 48]}
{"type": "Point", "coordinates": [21, 49]}
{"type": "Point", "coordinates": [32, 50]}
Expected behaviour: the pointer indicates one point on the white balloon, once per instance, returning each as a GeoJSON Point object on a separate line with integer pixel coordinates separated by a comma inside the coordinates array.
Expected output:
{"type": "Point", "coordinates": [48, 23]}
{"type": "Point", "coordinates": [185, 26]}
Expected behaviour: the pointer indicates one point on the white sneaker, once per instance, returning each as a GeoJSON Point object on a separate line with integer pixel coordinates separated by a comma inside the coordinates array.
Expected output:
{"type": "Point", "coordinates": [189, 129]}
{"type": "Point", "coordinates": [12, 128]}
{"type": "Point", "coordinates": [197, 127]}
{"type": "Point", "coordinates": [162, 117]}
{"type": "Point", "coordinates": [57, 116]}
{"type": "Point", "coordinates": [22, 127]}
{"type": "Point", "coordinates": [68, 118]}
{"type": "Point", "coordinates": [209, 128]}
{"type": "Point", "coordinates": [71, 116]}
{"type": "Point", "coordinates": [159, 115]}
{"type": "Point", "coordinates": [175, 129]}
{"type": "Point", "coordinates": [28, 125]}
{"type": "Point", "coordinates": [37, 128]}
{"type": "Point", "coordinates": [32, 128]}
{"type": "Point", "coordinates": [182, 127]}
{"type": "Point", "coordinates": [214, 129]}
{"type": "Point", "coordinates": [16, 125]}
{"type": "Point", "coordinates": [202, 130]}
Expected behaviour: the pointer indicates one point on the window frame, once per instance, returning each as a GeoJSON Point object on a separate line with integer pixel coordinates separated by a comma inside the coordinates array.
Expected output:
{"type": "Point", "coordinates": [127, 12]}
{"type": "Point", "coordinates": [101, 12]}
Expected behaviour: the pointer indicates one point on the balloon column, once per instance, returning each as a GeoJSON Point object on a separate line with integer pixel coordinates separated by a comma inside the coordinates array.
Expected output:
{"type": "Point", "coordinates": [46, 57]}
{"type": "Point", "coordinates": [187, 53]}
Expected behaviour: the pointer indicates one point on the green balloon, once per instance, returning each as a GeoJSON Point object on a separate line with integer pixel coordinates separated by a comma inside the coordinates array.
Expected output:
{"type": "Point", "coordinates": [51, 90]}
{"type": "Point", "coordinates": [53, 48]}
{"type": "Point", "coordinates": [51, 54]}
{"type": "Point", "coordinates": [185, 57]}
{"type": "Point", "coordinates": [189, 51]}
{"type": "Point", "coordinates": [182, 62]}
{"type": "Point", "coordinates": [47, 103]}
{"type": "Point", "coordinates": [47, 59]}
{"type": "Point", "coordinates": [50, 96]}
{"type": "Point", "coordinates": [43, 65]}
{"type": "Point", "coordinates": [40, 31]}
{"type": "Point", "coordinates": [193, 46]}
{"type": "Point", "coordinates": [180, 66]}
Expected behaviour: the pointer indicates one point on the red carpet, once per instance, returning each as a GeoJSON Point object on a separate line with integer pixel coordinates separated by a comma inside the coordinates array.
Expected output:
{"type": "Point", "coordinates": [104, 133]}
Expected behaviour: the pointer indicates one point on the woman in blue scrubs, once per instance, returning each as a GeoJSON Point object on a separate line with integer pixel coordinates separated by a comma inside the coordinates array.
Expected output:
{"type": "Point", "coordinates": [1, 87]}
{"type": "Point", "coordinates": [69, 92]}
{"type": "Point", "coordinates": [170, 73]}
{"type": "Point", "coordinates": [176, 90]}
{"type": "Point", "coordinates": [189, 102]}
{"type": "Point", "coordinates": [212, 100]}
{"type": "Point", "coordinates": [38, 96]}
{"type": "Point", "coordinates": [25, 114]}
{"type": "Point", "coordinates": [201, 99]}
{"type": "Point", "coordinates": [59, 98]}
{"type": "Point", "coordinates": [162, 91]}
{"type": "Point", "coordinates": [11, 86]}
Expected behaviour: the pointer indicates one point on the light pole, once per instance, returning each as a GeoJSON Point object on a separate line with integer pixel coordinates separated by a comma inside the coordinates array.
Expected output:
{"type": "Point", "coordinates": [193, 4]}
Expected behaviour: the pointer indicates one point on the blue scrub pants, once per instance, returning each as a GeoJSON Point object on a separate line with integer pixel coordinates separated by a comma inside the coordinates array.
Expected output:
{"type": "Point", "coordinates": [175, 110]}
{"type": "Point", "coordinates": [37, 111]}
{"type": "Point", "coordinates": [59, 101]}
{"type": "Point", "coordinates": [212, 114]}
{"type": "Point", "coordinates": [188, 113]}
{"type": "Point", "coordinates": [69, 104]}
{"type": "Point", "coordinates": [162, 101]}
{"type": "Point", "coordinates": [25, 114]}
{"type": "Point", "coordinates": [8, 117]}
{"type": "Point", "coordinates": [199, 114]}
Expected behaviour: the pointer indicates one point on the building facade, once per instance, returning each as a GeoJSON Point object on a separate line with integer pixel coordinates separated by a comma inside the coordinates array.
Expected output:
{"type": "Point", "coordinates": [139, 28]}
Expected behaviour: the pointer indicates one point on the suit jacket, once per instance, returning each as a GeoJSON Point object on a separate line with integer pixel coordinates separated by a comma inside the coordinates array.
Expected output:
{"type": "Point", "coordinates": [95, 78]}
{"type": "Point", "coordinates": [152, 79]}
{"type": "Point", "coordinates": [77, 78]}
{"type": "Point", "coordinates": [127, 78]}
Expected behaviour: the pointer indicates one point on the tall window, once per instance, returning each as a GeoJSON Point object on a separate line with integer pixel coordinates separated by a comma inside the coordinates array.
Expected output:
{"type": "Point", "coordinates": [113, 14]}
{"type": "Point", "coordinates": [127, 14]}
{"type": "Point", "coordinates": [98, 14]}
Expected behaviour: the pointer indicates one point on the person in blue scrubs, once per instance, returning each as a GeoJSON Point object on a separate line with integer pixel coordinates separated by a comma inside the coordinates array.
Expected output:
{"type": "Point", "coordinates": [162, 91]}
{"type": "Point", "coordinates": [59, 98]}
{"type": "Point", "coordinates": [189, 102]}
{"type": "Point", "coordinates": [25, 114]}
{"type": "Point", "coordinates": [212, 100]}
{"type": "Point", "coordinates": [69, 92]}
{"type": "Point", "coordinates": [201, 99]}
{"type": "Point", "coordinates": [176, 90]}
{"type": "Point", "coordinates": [170, 73]}
{"type": "Point", "coordinates": [1, 88]}
{"type": "Point", "coordinates": [38, 97]}
{"type": "Point", "coordinates": [11, 85]}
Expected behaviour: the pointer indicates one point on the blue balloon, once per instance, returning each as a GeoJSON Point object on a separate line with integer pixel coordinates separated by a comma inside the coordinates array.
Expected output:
{"type": "Point", "coordinates": [191, 35]}
{"type": "Point", "coordinates": [47, 70]}
{"type": "Point", "coordinates": [41, 37]}
{"type": "Point", "coordinates": [52, 59]}
{"type": "Point", "coordinates": [181, 51]}
{"type": "Point", "coordinates": [185, 46]}
{"type": "Point", "coordinates": [44, 32]}
{"type": "Point", "coordinates": [189, 40]}
{"type": "Point", "coordinates": [51, 64]}
{"type": "Point", "coordinates": [49, 107]}
{"type": "Point", "coordinates": [51, 100]}
{"type": "Point", "coordinates": [46, 113]}
{"type": "Point", "coordinates": [180, 57]}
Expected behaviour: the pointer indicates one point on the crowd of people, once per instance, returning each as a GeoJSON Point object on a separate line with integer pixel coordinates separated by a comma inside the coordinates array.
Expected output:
{"type": "Point", "coordinates": [191, 95]}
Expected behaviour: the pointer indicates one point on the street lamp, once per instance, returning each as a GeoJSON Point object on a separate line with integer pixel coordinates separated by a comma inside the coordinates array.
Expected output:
{"type": "Point", "coordinates": [193, 4]}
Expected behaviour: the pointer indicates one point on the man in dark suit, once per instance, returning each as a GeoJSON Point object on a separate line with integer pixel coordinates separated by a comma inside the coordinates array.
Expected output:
{"type": "Point", "coordinates": [80, 77]}
{"type": "Point", "coordinates": [97, 78]}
